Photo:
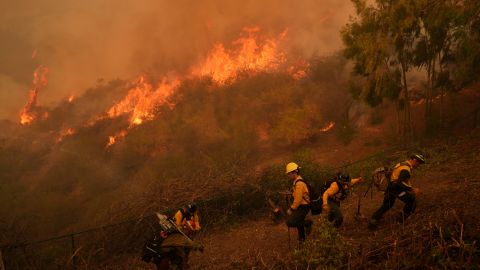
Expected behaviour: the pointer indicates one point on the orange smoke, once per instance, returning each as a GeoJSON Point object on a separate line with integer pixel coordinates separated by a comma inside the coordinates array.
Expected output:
{"type": "Point", "coordinates": [28, 113]}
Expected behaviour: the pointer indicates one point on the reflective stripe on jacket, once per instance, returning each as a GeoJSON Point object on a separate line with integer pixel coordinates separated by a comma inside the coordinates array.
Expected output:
{"type": "Point", "coordinates": [397, 171]}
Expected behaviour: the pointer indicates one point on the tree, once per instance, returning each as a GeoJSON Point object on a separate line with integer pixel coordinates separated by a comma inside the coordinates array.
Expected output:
{"type": "Point", "coordinates": [380, 42]}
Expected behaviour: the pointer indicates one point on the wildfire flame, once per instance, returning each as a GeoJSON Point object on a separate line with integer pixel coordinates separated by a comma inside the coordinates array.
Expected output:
{"type": "Point", "coordinates": [142, 100]}
{"type": "Point", "coordinates": [71, 98]}
{"type": "Point", "coordinates": [28, 114]}
{"type": "Point", "coordinates": [329, 126]}
{"type": "Point", "coordinates": [114, 138]}
{"type": "Point", "coordinates": [249, 53]}
{"type": "Point", "coordinates": [65, 133]}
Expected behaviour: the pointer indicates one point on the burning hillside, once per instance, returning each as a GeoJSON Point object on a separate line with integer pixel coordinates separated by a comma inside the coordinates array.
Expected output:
{"type": "Point", "coordinates": [252, 53]}
{"type": "Point", "coordinates": [30, 112]}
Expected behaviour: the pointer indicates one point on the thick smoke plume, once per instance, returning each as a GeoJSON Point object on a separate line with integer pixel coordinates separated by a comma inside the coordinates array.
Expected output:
{"type": "Point", "coordinates": [83, 42]}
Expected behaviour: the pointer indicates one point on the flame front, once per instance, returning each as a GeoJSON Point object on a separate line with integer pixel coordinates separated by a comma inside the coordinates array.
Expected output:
{"type": "Point", "coordinates": [250, 54]}
{"type": "Point", "coordinates": [28, 113]}
{"type": "Point", "coordinates": [142, 100]}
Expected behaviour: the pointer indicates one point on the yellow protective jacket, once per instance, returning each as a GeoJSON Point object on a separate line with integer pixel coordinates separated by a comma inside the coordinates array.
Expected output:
{"type": "Point", "coordinates": [300, 193]}
{"type": "Point", "coordinates": [191, 223]}
{"type": "Point", "coordinates": [334, 189]}
{"type": "Point", "coordinates": [401, 174]}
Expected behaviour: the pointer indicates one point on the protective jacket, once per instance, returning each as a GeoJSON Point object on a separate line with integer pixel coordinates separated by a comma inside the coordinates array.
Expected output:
{"type": "Point", "coordinates": [187, 221]}
{"type": "Point", "coordinates": [300, 193]}
{"type": "Point", "coordinates": [401, 174]}
{"type": "Point", "coordinates": [337, 193]}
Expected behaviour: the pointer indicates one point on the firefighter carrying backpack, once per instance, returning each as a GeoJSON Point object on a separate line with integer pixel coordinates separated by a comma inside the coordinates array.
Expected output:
{"type": "Point", "coordinates": [381, 176]}
{"type": "Point", "coordinates": [315, 195]}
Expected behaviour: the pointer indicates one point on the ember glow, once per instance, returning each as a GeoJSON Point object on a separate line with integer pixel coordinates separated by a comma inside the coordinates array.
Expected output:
{"type": "Point", "coordinates": [329, 126]}
{"type": "Point", "coordinates": [114, 138]}
{"type": "Point", "coordinates": [65, 133]}
{"type": "Point", "coordinates": [71, 98]}
{"type": "Point", "coordinates": [28, 113]}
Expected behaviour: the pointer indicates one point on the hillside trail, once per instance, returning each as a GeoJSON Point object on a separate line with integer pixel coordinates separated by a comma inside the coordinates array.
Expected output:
{"type": "Point", "coordinates": [449, 182]}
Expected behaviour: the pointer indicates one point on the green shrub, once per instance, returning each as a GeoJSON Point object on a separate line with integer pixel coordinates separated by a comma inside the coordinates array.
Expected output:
{"type": "Point", "coordinates": [326, 250]}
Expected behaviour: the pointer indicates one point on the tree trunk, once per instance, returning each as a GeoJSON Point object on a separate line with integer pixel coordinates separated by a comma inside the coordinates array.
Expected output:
{"type": "Point", "coordinates": [407, 124]}
{"type": "Point", "coordinates": [427, 96]}
{"type": "Point", "coordinates": [442, 93]}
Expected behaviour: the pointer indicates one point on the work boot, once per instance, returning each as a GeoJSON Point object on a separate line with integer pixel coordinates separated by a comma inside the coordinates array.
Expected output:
{"type": "Point", "coordinates": [373, 224]}
{"type": "Point", "coordinates": [308, 229]}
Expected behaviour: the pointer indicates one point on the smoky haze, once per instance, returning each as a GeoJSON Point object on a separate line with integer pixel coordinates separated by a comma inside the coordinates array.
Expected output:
{"type": "Point", "coordinates": [83, 41]}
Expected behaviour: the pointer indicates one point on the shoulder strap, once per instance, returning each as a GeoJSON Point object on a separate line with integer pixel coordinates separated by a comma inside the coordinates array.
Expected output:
{"type": "Point", "coordinates": [306, 184]}
{"type": "Point", "coordinates": [301, 180]}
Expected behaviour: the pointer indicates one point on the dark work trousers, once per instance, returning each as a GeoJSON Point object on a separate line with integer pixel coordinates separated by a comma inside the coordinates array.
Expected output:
{"type": "Point", "coordinates": [335, 214]}
{"type": "Point", "coordinates": [393, 192]}
{"type": "Point", "coordinates": [297, 219]}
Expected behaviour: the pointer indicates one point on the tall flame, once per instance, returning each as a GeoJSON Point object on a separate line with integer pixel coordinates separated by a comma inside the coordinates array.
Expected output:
{"type": "Point", "coordinates": [249, 53]}
{"type": "Point", "coordinates": [28, 113]}
{"type": "Point", "coordinates": [142, 100]}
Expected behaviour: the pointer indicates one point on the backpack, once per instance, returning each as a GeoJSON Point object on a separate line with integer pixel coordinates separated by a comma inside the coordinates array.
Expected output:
{"type": "Point", "coordinates": [381, 178]}
{"type": "Point", "coordinates": [342, 192]}
{"type": "Point", "coordinates": [152, 251]}
{"type": "Point", "coordinates": [315, 195]}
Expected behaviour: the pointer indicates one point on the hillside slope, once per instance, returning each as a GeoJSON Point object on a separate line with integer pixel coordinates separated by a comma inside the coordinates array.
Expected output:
{"type": "Point", "coordinates": [442, 233]}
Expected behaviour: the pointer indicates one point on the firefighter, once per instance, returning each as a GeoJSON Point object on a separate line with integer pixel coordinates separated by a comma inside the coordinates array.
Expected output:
{"type": "Point", "coordinates": [399, 187]}
{"type": "Point", "coordinates": [300, 206]}
{"type": "Point", "coordinates": [336, 192]}
{"type": "Point", "coordinates": [187, 219]}
{"type": "Point", "coordinates": [168, 247]}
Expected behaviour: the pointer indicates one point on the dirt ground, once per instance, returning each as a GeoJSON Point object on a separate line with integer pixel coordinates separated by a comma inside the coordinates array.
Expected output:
{"type": "Point", "coordinates": [449, 185]}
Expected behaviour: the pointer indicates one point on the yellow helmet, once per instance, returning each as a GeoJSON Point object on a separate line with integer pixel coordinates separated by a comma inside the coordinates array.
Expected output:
{"type": "Point", "coordinates": [292, 166]}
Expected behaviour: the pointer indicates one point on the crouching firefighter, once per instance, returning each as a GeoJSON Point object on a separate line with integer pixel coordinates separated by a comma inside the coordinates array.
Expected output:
{"type": "Point", "coordinates": [399, 187]}
{"type": "Point", "coordinates": [337, 191]}
{"type": "Point", "coordinates": [187, 220]}
{"type": "Point", "coordinates": [168, 246]}
{"type": "Point", "coordinates": [300, 206]}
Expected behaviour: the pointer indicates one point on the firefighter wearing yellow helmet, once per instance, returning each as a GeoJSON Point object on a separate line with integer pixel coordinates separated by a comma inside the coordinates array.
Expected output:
{"type": "Point", "coordinates": [300, 206]}
{"type": "Point", "coordinates": [400, 188]}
